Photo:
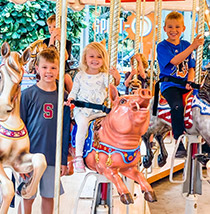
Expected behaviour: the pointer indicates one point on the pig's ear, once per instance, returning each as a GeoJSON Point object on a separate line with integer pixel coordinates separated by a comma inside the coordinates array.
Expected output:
{"type": "Point", "coordinates": [113, 93]}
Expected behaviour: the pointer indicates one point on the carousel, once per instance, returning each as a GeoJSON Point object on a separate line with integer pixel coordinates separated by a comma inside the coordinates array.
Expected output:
{"type": "Point", "coordinates": [118, 175]}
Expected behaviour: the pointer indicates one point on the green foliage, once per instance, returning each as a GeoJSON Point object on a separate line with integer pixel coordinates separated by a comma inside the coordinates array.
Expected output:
{"type": "Point", "coordinates": [20, 25]}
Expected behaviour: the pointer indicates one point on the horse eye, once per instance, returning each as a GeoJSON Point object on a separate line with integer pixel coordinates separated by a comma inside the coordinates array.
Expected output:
{"type": "Point", "coordinates": [123, 101]}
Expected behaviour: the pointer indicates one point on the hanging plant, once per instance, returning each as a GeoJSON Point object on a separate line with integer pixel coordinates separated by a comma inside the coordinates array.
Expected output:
{"type": "Point", "coordinates": [22, 24]}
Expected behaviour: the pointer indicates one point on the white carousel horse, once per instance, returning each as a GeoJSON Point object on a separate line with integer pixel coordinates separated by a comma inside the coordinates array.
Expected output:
{"type": "Point", "coordinates": [200, 124]}
{"type": "Point", "coordinates": [14, 140]}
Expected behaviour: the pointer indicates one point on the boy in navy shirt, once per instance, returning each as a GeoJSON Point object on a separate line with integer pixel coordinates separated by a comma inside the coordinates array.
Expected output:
{"type": "Point", "coordinates": [38, 110]}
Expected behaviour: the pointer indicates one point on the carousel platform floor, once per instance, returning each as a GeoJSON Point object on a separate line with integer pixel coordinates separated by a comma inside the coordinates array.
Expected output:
{"type": "Point", "coordinates": [170, 199]}
{"type": "Point", "coordinates": [71, 186]}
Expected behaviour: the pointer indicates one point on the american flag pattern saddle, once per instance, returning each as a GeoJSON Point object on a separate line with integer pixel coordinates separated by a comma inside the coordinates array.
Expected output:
{"type": "Point", "coordinates": [164, 109]}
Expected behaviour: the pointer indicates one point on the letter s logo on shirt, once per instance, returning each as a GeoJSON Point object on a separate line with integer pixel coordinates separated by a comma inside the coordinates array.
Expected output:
{"type": "Point", "coordinates": [48, 110]}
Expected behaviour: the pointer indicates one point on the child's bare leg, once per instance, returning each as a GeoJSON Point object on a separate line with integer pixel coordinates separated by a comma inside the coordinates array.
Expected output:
{"type": "Point", "coordinates": [27, 206]}
{"type": "Point", "coordinates": [47, 205]}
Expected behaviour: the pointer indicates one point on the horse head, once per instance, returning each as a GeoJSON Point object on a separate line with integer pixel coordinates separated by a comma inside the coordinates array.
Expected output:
{"type": "Point", "coordinates": [204, 92]}
{"type": "Point", "coordinates": [134, 84]}
{"type": "Point", "coordinates": [35, 48]}
{"type": "Point", "coordinates": [11, 73]}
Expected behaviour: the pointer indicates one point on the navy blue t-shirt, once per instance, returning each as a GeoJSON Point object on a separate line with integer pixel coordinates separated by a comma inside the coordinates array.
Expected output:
{"type": "Point", "coordinates": [165, 53]}
{"type": "Point", "coordinates": [38, 109]}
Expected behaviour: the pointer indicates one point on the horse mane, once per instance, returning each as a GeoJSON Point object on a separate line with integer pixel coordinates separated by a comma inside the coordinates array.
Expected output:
{"type": "Point", "coordinates": [35, 44]}
{"type": "Point", "coordinates": [35, 48]}
{"type": "Point", "coordinates": [204, 92]}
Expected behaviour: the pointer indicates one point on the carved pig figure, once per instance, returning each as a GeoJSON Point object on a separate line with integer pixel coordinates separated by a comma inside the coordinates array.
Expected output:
{"type": "Point", "coordinates": [117, 142]}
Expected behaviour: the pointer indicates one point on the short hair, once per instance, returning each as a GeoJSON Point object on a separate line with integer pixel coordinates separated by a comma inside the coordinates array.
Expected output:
{"type": "Point", "coordinates": [174, 15]}
{"type": "Point", "coordinates": [50, 54]}
{"type": "Point", "coordinates": [51, 19]}
{"type": "Point", "coordinates": [100, 48]}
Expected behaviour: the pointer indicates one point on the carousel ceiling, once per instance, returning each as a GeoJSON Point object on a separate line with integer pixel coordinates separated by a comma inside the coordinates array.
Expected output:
{"type": "Point", "coordinates": [182, 5]}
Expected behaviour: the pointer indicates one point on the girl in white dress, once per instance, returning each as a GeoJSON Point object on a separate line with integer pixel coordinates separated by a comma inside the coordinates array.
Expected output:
{"type": "Point", "coordinates": [90, 85]}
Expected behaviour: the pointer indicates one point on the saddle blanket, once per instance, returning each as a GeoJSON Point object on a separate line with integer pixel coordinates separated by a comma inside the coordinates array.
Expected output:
{"type": "Point", "coordinates": [128, 155]}
{"type": "Point", "coordinates": [164, 110]}
{"type": "Point", "coordinates": [88, 139]}
{"type": "Point", "coordinates": [204, 107]}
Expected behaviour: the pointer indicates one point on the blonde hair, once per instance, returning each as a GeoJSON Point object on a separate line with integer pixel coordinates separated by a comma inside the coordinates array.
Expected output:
{"type": "Point", "coordinates": [101, 51]}
{"type": "Point", "coordinates": [51, 19]}
{"type": "Point", "coordinates": [143, 59]}
{"type": "Point", "coordinates": [175, 15]}
{"type": "Point", "coordinates": [50, 54]}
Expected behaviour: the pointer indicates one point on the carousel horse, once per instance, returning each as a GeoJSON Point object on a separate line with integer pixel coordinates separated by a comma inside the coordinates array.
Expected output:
{"type": "Point", "coordinates": [35, 48]}
{"type": "Point", "coordinates": [14, 140]}
{"type": "Point", "coordinates": [197, 122]}
{"type": "Point", "coordinates": [71, 66]}
{"type": "Point", "coordinates": [134, 84]}
{"type": "Point", "coordinates": [114, 147]}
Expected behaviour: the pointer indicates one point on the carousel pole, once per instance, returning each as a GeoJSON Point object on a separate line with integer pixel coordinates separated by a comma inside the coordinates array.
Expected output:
{"type": "Point", "coordinates": [153, 47]}
{"type": "Point", "coordinates": [138, 17]}
{"type": "Point", "coordinates": [60, 107]}
{"type": "Point", "coordinates": [199, 58]}
{"type": "Point", "coordinates": [115, 22]}
{"type": "Point", "coordinates": [159, 30]}
{"type": "Point", "coordinates": [193, 20]}
{"type": "Point", "coordinates": [58, 20]}
{"type": "Point", "coordinates": [159, 14]}
{"type": "Point", "coordinates": [130, 182]}
{"type": "Point", "coordinates": [142, 27]}
{"type": "Point", "coordinates": [193, 184]}
{"type": "Point", "coordinates": [112, 51]}
{"type": "Point", "coordinates": [110, 26]}
{"type": "Point", "coordinates": [96, 6]}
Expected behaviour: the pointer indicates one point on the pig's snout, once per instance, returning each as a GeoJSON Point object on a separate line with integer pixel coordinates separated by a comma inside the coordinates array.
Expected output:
{"type": "Point", "coordinates": [145, 94]}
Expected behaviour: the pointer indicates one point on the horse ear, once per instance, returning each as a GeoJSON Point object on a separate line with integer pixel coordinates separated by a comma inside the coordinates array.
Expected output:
{"type": "Point", "coordinates": [5, 50]}
{"type": "Point", "coordinates": [26, 56]}
{"type": "Point", "coordinates": [113, 93]}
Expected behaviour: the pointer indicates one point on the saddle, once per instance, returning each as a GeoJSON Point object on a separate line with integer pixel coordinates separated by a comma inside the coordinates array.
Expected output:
{"type": "Point", "coordinates": [169, 79]}
{"type": "Point", "coordinates": [92, 142]}
{"type": "Point", "coordinates": [91, 135]}
{"type": "Point", "coordinates": [164, 109]}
